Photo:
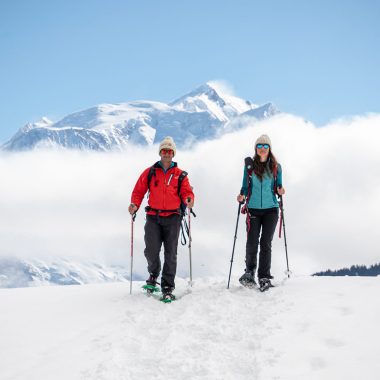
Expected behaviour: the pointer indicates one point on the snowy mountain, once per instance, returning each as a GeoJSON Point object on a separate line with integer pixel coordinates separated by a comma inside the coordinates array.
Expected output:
{"type": "Point", "coordinates": [16, 273]}
{"type": "Point", "coordinates": [199, 115]}
{"type": "Point", "coordinates": [304, 328]}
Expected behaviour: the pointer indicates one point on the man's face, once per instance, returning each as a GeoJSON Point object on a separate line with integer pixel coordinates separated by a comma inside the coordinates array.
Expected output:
{"type": "Point", "coordinates": [166, 155]}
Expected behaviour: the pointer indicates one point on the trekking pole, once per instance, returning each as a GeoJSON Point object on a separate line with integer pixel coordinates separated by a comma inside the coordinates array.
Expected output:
{"type": "Point", "coordinates": [283, 225]}
{"type": "Point", "coordinates": [133, 217]}
{"type": "Point", "coordinates": [190, 240]}
{"type": "Point", "coordinates": [235, 237]}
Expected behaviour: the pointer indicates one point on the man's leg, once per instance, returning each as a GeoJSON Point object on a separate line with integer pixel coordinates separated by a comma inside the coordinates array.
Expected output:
{"type": "Point", "coordinates": [171, 227]}
{"type": "Point", "coordinates": [153, 242]}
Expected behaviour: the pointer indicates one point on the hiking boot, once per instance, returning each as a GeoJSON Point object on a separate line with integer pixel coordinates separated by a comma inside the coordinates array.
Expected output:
{"type": "Point", "coordinates": [167, 290]}
{"type": "Point", "coordinates": [151, 285]}
{"type": "Point", "coordinates": [167, 294]}
{"type": "Point", "coordinates": [152, 280]}
{"type": "Point", "coordinates": [265, 284]}
{"type": "Point", "coordinates": [169, 297]}
{"type": "Point", "coordinates": [247, 279]}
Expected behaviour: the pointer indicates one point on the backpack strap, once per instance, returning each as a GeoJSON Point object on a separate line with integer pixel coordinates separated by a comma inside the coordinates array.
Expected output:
{"type": "Point", "coordinates": [152, 172]}
{"type": "Point", "coordinates": [180, 180]}
{"type": "Point", "coordinates": [248, 163]}
{"type": "Point", "coordinates": [274, 172]}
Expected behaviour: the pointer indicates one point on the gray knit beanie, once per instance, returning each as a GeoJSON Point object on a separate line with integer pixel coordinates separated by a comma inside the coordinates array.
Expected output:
{"type": "Point", "coordinates": [167, 143]}
{"type": "Point", "coordinates": [263, 139]}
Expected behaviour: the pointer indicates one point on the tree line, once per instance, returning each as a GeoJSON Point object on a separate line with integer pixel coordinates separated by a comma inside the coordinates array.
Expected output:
{"type": "Point", "coordinates": [354, 270]}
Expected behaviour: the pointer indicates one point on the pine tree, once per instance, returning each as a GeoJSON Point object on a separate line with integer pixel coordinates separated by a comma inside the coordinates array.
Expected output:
{"type": "Point", "coordinates": [354, 270]}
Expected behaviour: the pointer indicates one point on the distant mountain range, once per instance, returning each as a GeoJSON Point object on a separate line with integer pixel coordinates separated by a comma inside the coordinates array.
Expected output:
{"type": "Point", "coordinates": [205, 113]}
{"type": "Point", "coordinates": [18, 273]}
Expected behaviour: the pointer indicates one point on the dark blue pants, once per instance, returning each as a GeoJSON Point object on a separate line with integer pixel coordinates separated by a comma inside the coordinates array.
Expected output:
{"type": "Point", "coordinates": [262, 227]}
{"type": "Point", "coordinates": [158, 231]}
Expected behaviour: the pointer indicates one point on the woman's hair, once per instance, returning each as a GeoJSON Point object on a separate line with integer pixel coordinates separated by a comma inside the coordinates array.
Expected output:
{"type": "Point", "coordinates": [259, 168]}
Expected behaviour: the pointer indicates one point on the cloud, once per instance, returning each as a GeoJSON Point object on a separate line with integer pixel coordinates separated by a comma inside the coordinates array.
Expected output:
{"type": "Point", "coordinates": [222, 86]}
{"type": "Point", "coordinates": [74, 205]}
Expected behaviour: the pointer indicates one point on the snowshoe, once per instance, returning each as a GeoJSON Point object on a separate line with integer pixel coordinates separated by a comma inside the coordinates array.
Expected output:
{"type": "Point", "coordinates": [265, 284]}
{"type": "Point", "coordinates": [167, 295]}
{"type": "Point", "coordinates": [151, 288]}
{"type": "Point", "coordinates": [167, 298]}
{"type": "Point", "coordinates": [151, 285]}
{"type": "Point", "coordinates": [248, 280]}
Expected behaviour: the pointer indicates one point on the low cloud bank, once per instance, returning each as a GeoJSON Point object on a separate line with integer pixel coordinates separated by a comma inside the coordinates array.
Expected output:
{"type": "Point", "coordinates": [74, 205]}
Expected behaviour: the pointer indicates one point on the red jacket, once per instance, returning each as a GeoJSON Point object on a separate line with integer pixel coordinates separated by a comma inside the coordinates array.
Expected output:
{"type": "Point", "coordinates": [163, 189]}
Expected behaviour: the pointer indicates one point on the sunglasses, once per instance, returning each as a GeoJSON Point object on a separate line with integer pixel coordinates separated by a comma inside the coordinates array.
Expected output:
{"type": "Point", "coordinates": [265, 146]}
{"type": "Point", "coordinates": [166, 151]}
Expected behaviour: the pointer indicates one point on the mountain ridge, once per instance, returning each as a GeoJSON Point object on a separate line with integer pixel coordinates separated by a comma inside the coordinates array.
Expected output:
{"type": "Point", "coordinates": [198, 115]}
{"type": "Point", "coordinates": [20, 273]}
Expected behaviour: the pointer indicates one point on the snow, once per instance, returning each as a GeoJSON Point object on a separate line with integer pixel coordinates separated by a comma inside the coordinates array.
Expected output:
{"type": "Point", "coordinates": [214, 98]}
{"type": "Point", "coordinates": [198, 115]}
{"type": "Point", "coordinates": [18, 273]}
{"type": "Point", "coordinates": [237, 103]}
{"type": "Point", "coordinates": [305, 328]}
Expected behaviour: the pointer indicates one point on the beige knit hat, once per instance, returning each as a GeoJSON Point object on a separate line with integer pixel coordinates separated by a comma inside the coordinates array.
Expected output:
{"type": "Point", "coordinates": [263, 139]}
{"type": "Point", "coordinates": [167, 143]}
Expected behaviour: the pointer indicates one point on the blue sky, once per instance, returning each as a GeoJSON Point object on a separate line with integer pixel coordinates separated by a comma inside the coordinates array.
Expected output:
{"type": "Point", "coordinates": [319, 60]}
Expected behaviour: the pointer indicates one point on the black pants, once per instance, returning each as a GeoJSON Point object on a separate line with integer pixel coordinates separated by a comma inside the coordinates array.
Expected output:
{"type": "Point", "coordinates": [158, 230]}
{"type": "Point", "coordinates": [263, 221]}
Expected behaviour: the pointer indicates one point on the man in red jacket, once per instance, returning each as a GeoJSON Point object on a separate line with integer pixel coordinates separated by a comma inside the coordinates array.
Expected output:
{"type": "Point", "coordinates": [167, 189]}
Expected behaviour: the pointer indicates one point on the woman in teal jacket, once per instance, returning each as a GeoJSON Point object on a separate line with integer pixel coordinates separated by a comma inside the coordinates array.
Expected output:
{"type": "Point", "coordinates": [262, 180]}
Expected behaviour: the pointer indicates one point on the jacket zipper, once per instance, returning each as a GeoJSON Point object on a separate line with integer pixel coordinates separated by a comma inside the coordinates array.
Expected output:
{"type": "Point", "coordinates": [164, 198]}
{"type": "Point", "coordinates": [166, 184]}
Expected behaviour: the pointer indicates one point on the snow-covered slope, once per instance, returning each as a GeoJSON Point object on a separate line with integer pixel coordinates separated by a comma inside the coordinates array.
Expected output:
{"type": "Point", "coordinates": [306, 328]}
{"type": "Point", "coordinates": [16, 273]}
{"type": "Point", "coordinates": [209, 98]}
{"type": "Point", "coordinates": [198, 115]}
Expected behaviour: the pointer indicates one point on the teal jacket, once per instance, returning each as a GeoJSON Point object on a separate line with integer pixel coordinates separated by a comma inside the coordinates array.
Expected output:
{"type": "Point", "coordinates": [262, 192]}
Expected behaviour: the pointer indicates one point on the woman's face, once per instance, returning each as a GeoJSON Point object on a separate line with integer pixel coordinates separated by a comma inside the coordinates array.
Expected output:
{"type": "Point", "coordinates": [262, 151]}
